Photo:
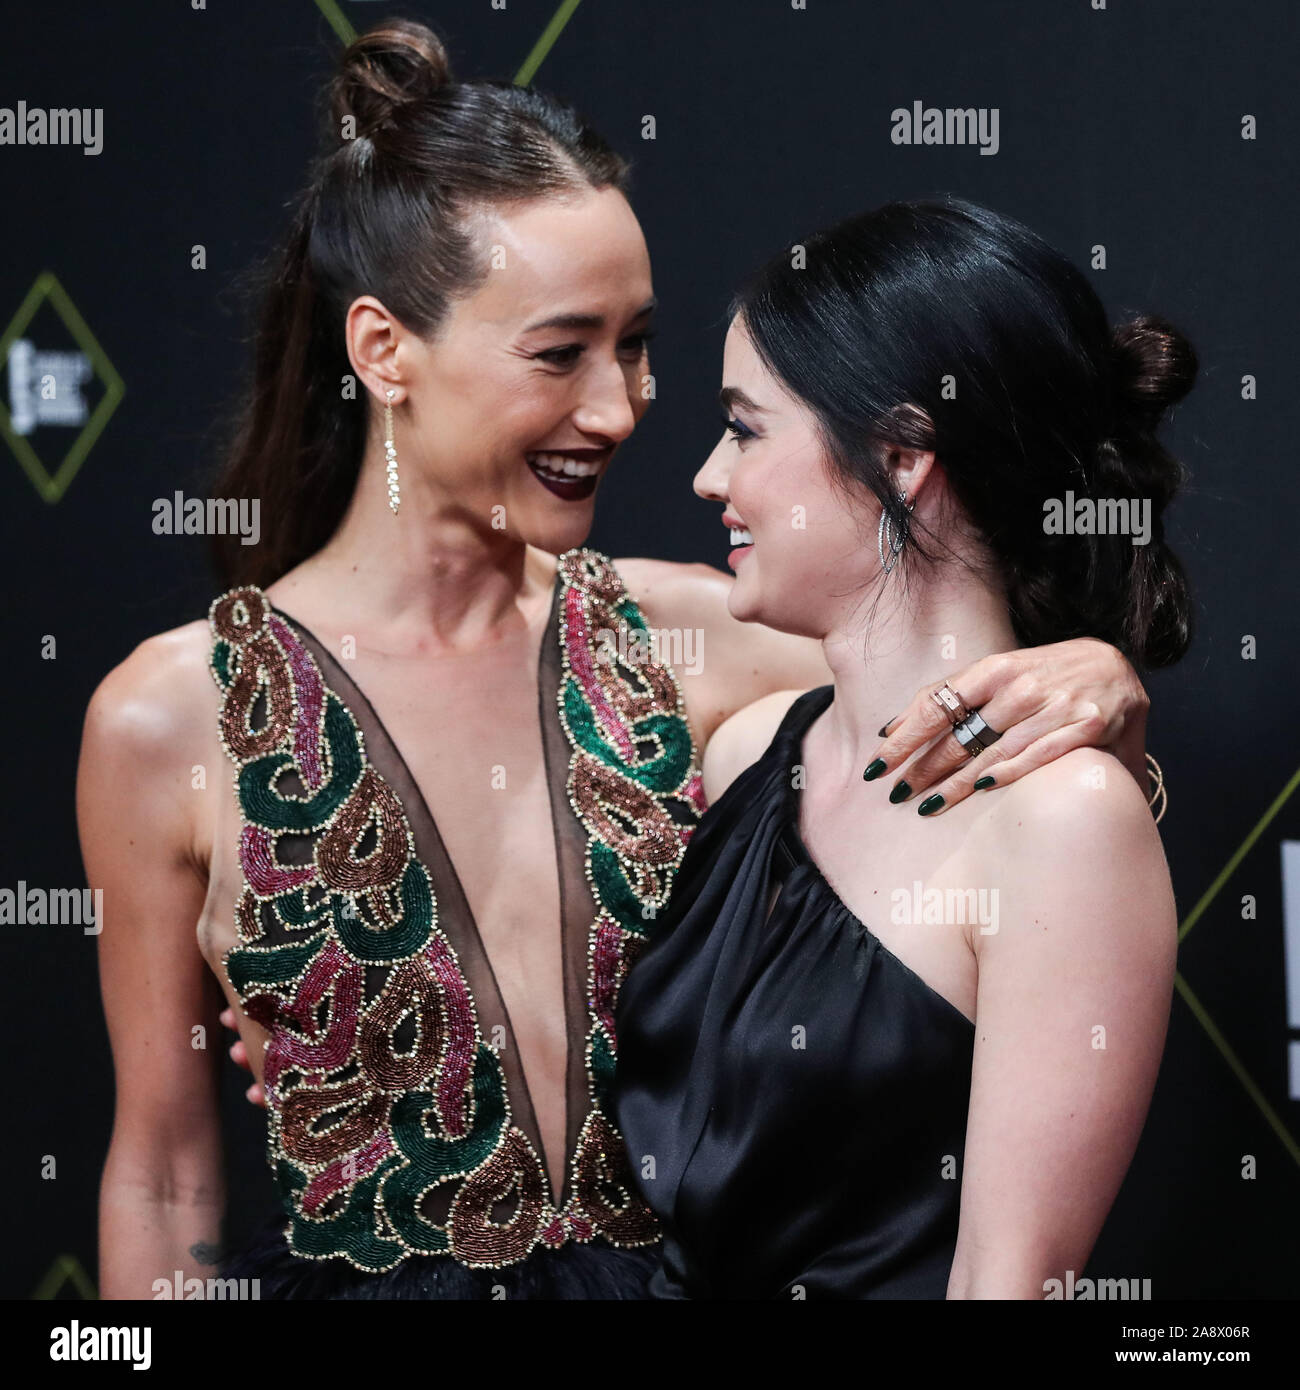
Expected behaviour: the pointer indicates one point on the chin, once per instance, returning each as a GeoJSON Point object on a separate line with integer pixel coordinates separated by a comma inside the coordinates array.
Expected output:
{"type": "Point", "coordinates": [556, 535]}
{"type": "Point", "coordinates": [743, 603]}
{"type": "Point", "coordinates": [746, 605]}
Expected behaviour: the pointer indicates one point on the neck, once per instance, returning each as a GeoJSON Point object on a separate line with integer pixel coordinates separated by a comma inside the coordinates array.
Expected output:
{"type": "Point", "coordinates": [919, 638]}
{"type": "Point", "coordinates": [431, 575]}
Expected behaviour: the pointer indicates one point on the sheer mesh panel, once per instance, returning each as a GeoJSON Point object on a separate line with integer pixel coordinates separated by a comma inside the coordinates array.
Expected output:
{"type": "Point", "coordinates": [454, 918]}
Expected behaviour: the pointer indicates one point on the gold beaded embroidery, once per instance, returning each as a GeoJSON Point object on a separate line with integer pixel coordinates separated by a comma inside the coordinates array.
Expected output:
{"type": "Point", "coordinates": [364, 1127]}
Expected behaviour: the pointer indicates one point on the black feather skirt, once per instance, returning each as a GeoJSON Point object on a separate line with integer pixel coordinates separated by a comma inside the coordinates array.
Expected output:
{"type": "Point", "coordinates": [595, 1270]}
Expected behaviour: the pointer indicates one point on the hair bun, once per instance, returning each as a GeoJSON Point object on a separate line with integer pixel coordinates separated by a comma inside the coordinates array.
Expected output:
{"type": "Point", "coordinates": [1155, 366]}
{"type": "Point", "coordinates": [396, 64]}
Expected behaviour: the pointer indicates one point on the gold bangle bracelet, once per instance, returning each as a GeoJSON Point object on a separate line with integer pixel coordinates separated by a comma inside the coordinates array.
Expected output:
{"type": "Point", "coordinates": [1158, 777]}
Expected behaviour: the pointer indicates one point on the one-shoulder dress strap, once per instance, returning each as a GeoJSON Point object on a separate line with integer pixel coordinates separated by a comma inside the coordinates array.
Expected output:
{"type": "Point", "coordinates": [803, 710]}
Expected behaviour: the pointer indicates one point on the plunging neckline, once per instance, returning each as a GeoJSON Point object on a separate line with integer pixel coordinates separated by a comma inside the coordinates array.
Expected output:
{"type": "Point", "coordinates": [549, 634]}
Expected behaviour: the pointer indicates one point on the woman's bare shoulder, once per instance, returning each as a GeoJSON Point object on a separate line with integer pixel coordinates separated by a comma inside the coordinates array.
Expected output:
{"type": "Point", "coordinates": [157, 701]}
{"type": "Point", "coordinates": [1086, 791]}
{"type": "Point", "coordinates": [1074, 841]}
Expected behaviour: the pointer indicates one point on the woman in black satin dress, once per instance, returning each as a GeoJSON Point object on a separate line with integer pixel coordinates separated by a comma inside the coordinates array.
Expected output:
{"type": "Point", "coordinates": [874, 1054]}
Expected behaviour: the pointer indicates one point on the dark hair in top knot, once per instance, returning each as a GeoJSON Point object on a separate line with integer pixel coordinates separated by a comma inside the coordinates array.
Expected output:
{"type": "Point", "coordinates": [387, 211]}
{"type": "Point", "coordinates": [889, 310]}
{"type": "Point", "coordinates": [1154, 367]}
{"type": "Point", "coordinates": [396, 64]}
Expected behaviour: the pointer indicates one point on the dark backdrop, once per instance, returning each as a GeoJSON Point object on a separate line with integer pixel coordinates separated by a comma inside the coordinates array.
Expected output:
{"type": "Point", "coordinates": [1120, 127]}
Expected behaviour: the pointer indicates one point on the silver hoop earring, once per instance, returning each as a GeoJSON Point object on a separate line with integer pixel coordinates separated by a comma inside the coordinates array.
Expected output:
{"type": "Point", "coordinates": [390, 451]}
{"type": "Point", "coordinates": [889, 545]}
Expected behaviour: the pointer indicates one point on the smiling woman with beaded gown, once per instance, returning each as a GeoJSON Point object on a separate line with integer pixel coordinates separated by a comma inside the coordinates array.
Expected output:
{"type": "Point", "coordinates": [414, 779]}
{"type": "Point", "coordinates": [358, 936]}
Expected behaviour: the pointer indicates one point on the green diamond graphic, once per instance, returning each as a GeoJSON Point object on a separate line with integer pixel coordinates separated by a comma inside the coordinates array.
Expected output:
{"type": "Point", "coordinates": [52, 486]}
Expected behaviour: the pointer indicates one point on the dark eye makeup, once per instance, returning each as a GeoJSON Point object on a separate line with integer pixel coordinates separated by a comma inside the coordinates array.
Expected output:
{"type": "Point", "coordinates": [737, 427]}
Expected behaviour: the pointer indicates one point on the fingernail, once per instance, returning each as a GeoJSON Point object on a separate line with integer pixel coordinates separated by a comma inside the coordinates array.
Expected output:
{"type": "Point", "coordinates": [883, 728]}
{"type": "Point", "coordinates": [873, 770]}
{"type": "Point", "coordinates": [900, 793]}
{"type": "Point", "coordinates": [984, 782]}
{"type": "Point", "coordinates": [931, 803]}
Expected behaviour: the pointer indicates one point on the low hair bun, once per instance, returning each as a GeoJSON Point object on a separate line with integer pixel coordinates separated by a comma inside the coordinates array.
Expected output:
{"type": "Point", "coordinates": [396, 64]}
{"type": "Point", "coordinates": [1155, 366]}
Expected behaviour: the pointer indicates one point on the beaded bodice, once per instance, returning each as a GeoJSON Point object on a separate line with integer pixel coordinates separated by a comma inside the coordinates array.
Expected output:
{"type": "Point", "coordinates": [399, 1123]}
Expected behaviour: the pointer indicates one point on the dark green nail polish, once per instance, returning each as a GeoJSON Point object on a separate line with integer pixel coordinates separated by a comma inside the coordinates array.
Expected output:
{"type": "Point", "coordinates": [874, 770]}
{"type": "Point", "coordinates": [931, 803]}
{"type": "Point", "coordinates": [984, 782]}
{"type": "Point", "coordinates": [900, 793]}
{"type": "Point", "coordinates": [881, 733]}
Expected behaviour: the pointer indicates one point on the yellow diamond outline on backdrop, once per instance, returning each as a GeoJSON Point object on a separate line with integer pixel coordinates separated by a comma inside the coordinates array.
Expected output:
{"type": "Point", "coordinates": [52, 487]}
{"type": "Point", "coordinates": [342, 26]}
{"type": "Point", "coordinates": [66, 1269]}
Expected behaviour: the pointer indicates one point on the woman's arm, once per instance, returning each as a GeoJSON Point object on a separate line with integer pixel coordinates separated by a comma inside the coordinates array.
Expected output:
{"type": "Point", "coordinates": [1043, 700]}
{"type": "Point", "coordinates": [161, 1195]}
{"type": "Point", "coordinates": [1072, 1007]}
{"type": "Point", "coordinates": [740, 741]}
{"type": "Point", "coordinates": [722, 664]}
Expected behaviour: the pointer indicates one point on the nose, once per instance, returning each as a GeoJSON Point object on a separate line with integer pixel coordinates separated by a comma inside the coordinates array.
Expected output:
{"type": "Point", "coordinates": [607, 407]}
{"type": "Point", "coordinates": [714, 478]}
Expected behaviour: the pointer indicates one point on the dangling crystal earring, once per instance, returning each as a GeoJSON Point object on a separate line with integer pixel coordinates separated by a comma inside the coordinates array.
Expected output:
{"type": "Point", "coordinates": [885, 537]}
{"type": "Point", "coordinates": [390, 450]}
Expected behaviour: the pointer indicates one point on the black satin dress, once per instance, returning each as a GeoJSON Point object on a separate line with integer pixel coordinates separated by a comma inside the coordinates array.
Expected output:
{"type": "Point", "coordinates": [793, 1096]}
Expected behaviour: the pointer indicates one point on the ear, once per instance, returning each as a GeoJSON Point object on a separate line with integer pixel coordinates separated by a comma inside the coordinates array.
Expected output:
{"type": "Point", "coordinates": [911, 471]}
{"type": "Point", "coordinates": [911, 467]}
{"type": "Point", "coordinates": [376, 346]}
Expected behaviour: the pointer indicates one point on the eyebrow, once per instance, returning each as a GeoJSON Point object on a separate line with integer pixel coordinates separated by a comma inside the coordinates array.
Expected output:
{"type": "Point", "coordinates": [732, 396]}
{"type": "Point", "coordinates": [587, 320]}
